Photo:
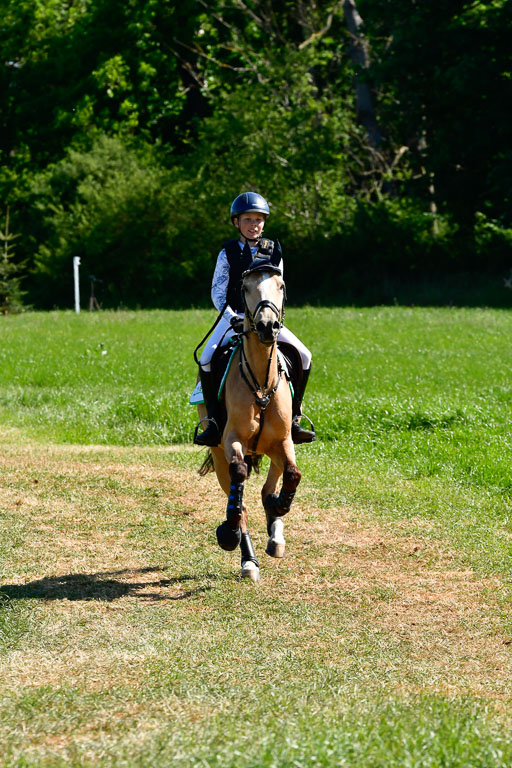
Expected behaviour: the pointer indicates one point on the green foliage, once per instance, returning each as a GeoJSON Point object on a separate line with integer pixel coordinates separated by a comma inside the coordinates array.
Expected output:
{"type": "Point", "coordinates": [72, 69]}
{"type": "Point", "coordinates": [443, 71]}
{"type": "Point", "coordinates": [284, 138]}
{"type": "Point", "coordinates": [208, 102]}
{"type": "Point", "coordinates": [493, 242]}
{"type": "Point", "coordinates": [119, 210]}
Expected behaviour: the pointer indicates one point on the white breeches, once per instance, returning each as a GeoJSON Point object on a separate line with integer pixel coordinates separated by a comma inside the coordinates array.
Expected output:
{"type": "Point", "coordinates": [219, 335]}
{"type": "Point", "coordinates": [222, 333]}
{"type": "Point", "coordinates": [290, 338]}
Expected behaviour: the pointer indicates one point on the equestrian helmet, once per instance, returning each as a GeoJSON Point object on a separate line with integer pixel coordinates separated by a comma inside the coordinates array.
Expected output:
{"type": "Point", "coordinates": [249, 202]}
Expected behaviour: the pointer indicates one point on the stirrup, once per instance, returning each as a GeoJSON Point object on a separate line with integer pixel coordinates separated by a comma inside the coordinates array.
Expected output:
{"type": "Point", "coordinates": [211, 422]}
{"type": "Point", "coordinates": [307, 436]}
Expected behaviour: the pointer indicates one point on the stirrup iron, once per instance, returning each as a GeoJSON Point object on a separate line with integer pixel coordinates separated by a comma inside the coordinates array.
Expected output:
{"type": "Point", "coordinates": [209, 419]}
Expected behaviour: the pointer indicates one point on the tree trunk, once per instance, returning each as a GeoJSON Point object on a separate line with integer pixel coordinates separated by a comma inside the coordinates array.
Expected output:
{"type": "Point", "coordinates": [359, 54]}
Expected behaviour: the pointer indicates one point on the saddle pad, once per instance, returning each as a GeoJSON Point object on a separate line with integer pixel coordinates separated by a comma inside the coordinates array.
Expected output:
{"type": "Point", "coordinates": [196, 398]}
{"type": "Point", "coordinates": [197, 395]}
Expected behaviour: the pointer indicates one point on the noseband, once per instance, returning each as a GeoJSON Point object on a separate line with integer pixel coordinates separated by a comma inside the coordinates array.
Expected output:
{"type": "Point", "coordinates": [251, 316]}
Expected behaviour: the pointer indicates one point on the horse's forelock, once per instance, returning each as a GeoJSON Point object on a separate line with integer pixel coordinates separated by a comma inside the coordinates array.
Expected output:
{"type": "Point", "coordinates": [259, 277]}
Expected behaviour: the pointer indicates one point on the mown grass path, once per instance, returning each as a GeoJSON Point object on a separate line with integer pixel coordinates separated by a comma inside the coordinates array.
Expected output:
{"type": "Point", "coordinates": [128, 638]}
{"type": "Point", "coordinates": [382, 639]}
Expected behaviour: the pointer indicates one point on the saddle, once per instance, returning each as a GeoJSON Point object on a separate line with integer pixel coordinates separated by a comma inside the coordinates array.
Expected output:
{"type": "Point", "coordinates": [220, 365]}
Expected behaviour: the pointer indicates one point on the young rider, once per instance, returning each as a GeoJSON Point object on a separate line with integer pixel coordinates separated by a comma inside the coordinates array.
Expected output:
{"type": "Point", "coordinates": [249, 212]}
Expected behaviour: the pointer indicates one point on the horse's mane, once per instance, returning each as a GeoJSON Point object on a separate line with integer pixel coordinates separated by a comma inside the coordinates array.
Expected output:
{"type": "Point", "coordinates": [253, 463]}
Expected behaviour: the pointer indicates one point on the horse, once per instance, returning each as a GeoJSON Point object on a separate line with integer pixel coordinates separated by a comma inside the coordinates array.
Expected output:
{"type": "Point", "coordinates": [258, 403]}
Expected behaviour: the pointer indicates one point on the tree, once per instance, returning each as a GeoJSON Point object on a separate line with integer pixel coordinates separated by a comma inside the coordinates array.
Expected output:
{"type": "Point", "coordinates": [443, 74]}
{"type": "Point", "coordinates": [203, 99]}
{"type": "Point", "coordinates": [10, 290]}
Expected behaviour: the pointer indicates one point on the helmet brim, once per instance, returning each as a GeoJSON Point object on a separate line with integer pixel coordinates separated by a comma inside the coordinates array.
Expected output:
{"type": "Point", "coordinates": [251, 210]}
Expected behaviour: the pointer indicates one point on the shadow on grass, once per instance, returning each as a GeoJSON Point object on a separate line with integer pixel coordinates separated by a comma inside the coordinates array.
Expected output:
{"type": "Point", "coordinates": [105, 586]}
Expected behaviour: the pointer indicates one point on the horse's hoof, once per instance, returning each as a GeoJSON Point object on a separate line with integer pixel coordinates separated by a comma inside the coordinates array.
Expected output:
{"type": "Point", "coordinates": [250, 571]}
{"type": "Point", "coordinates": [227, 538]}
{"type": "Point", "coordinates": [276, 543]}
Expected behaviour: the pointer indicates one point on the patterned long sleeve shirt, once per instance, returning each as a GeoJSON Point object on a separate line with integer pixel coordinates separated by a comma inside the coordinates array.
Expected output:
{"type": "Point", "coordinates": [220, 282]}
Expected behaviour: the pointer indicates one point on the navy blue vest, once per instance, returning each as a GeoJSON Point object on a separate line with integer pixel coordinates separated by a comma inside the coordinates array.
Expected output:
{"type": "Point", "coordinates": [239, 260]}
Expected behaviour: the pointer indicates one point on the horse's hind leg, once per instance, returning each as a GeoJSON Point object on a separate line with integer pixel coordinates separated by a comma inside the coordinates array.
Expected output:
{"type": "Point", "coordinates": [276, 542]}
{"type": "Point", "coordinates": [233, 531]}
{"type": "Point", "coordinates": [278, 505]}
{"type": "Point", "coordinates": [250, 564]}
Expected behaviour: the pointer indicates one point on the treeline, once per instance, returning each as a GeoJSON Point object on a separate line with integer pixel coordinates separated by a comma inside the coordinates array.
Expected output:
{"type": "Point", "coordinates": [379, 132]}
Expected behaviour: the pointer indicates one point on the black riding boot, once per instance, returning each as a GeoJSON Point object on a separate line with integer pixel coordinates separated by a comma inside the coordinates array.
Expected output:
{"type": "Point", "coordinates": [211, 435]}
{"type": "Point", "coordinates": [299, 434]}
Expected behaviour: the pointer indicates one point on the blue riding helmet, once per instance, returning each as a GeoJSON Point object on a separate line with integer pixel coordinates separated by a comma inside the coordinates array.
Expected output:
{"type": "Point", "coordinates": [249, 202]}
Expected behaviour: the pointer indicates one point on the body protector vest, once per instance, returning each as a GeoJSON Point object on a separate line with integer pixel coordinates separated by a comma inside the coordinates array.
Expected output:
{"type": "Point", "coordinates": [240, 259]}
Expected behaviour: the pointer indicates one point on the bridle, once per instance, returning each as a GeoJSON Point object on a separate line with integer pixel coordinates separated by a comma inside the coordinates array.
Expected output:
{"type": "Point", "coordinates": [262, 400]}
{"type": "Point", "coordinates": [262, 305]}
{"type": "Point", "coordinates": [279, 312]}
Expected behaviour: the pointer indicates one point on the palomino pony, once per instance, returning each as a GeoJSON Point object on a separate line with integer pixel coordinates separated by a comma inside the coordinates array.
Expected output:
{"type": "Point", "coordinates": [259, 418]}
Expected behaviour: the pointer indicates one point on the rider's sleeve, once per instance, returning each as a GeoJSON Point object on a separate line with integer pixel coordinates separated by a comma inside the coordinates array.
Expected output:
{"type": "Point", "coordinates": [220, 285]}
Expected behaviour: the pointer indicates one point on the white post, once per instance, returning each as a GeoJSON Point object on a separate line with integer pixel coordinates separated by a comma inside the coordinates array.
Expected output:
{"type": "Point", "coordinates": [76, 264]}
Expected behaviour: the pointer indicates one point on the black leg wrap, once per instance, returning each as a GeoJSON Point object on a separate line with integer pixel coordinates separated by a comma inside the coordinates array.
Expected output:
{"type": "Point", "coordinates": [227, 538]}
{"type": "Point", "coordinates": [269, 505]}
{"type": "Point", "coordinates": [284, 501]}
{"type": "Point", "coordinates": [234, 508]}
{"type": "Point", "coordinates": [277, 506]}
{"type": "Point", "coordinates": [270, 521]}
{"type": "Point", "coordinates": [247, 548]}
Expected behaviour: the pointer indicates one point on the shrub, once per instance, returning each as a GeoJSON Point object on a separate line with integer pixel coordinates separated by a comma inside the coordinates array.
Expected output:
{"type": "Point", "coordinates": [117, 208]}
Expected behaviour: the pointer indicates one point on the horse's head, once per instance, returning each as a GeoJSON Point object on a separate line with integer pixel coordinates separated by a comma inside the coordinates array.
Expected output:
{"type": "Point", "coordinates": [264, 294]}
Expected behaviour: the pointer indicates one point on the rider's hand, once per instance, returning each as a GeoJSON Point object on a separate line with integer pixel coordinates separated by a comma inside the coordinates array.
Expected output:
{"type": "Point", "coordinates": [237, 324]}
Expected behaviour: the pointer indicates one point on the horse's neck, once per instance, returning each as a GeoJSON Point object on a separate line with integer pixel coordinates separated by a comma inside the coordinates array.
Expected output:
{"type": "Point", "coordinates": [257, 356]}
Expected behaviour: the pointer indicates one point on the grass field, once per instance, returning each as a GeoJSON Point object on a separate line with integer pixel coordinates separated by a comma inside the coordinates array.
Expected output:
{"type": "Point", "coordinates": [384, 638]}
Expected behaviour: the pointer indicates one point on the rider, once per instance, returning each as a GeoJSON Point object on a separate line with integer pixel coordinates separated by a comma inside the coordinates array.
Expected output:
{"type": "Point", "coordinates": [249, 212]}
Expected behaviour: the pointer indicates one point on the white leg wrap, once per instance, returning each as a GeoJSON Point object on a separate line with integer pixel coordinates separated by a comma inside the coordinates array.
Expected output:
{"type": "Point", "coordinates": [276, 543]}
{"type": "Point", "coordinates": [250, 571]}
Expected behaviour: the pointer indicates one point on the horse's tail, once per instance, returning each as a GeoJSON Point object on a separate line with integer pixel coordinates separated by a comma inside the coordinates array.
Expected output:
{"type": "Point", "coordinates": [253, 463]}
{"type": "Point", "coordinates": [207, 465]}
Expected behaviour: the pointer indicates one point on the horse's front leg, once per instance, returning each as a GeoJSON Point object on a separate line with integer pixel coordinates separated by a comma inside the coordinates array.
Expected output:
{"type": "Point", "coordinates": [234, 453]}
{"type": "Point", "coordinates": [276, 505]}
{"type": "Point", "coordinates": [229, 533]}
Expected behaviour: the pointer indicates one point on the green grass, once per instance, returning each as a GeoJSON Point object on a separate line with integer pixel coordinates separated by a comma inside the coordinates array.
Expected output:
{"type": "Point", "coordinates": [382, 639]}
{"type": "Point", "coordinates": [412, 406]}
{"type": "Point", "coordinates": [116, 377]}
{"type": "Point", "coordinates": [427, 392]}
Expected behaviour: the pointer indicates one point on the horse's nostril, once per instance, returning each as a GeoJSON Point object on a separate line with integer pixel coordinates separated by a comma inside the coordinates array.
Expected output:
{"type": "Point", "coordinates": [264, 328]}
{"type": "Point", "coordinates": [275, 325]}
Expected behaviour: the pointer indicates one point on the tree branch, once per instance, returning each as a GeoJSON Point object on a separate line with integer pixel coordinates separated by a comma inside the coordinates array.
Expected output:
{"type": "Point", "coordinates": [321, 32]}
